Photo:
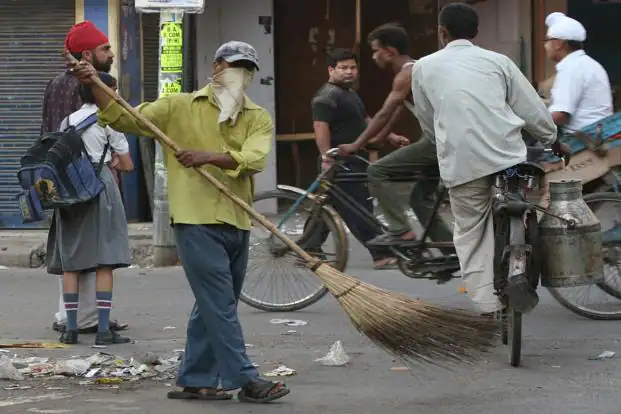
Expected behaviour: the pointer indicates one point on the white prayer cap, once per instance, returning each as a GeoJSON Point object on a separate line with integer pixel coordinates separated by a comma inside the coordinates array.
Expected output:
{"type": "Point", "coordinates": [565, 28]}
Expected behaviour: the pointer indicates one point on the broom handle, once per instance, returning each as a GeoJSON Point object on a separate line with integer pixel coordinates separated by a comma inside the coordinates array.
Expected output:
{"type": "Point", "coordinates": [162, 138]}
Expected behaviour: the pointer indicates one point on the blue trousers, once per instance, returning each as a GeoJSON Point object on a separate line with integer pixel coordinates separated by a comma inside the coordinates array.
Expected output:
{"type": "Point", "coordinates": [214, 259]}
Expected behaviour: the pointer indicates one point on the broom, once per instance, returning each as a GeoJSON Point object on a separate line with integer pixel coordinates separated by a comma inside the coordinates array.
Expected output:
{"type": "Point", "coordinates": [410, 329]}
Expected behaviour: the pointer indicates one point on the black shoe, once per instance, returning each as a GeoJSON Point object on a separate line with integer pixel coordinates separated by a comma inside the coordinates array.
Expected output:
{"type": "Point", "coordinates": [110, 338]}
{"type": "Point", "coordinates": [69, 337]}
{"type": "Point", "coordinates": [114, 326]}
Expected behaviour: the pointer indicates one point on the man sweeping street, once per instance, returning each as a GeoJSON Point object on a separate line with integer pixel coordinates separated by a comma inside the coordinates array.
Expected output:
{"type": "Point", "coordinates": [61, 98]}
{"type": "Point", "coordinates": [228, 135]}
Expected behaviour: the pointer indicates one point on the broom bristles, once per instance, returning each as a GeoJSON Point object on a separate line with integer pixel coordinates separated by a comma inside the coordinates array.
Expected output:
{"type": "Point", "coordinates": [413, 330]}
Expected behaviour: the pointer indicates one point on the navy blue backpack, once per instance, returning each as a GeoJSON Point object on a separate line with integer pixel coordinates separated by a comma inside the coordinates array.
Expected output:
{"type": "Point", "coordinates": [56, 172]}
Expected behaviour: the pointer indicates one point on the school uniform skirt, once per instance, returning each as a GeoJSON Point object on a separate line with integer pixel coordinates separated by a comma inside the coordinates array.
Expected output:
{"type": "Point", "coordinates": [92, 235]}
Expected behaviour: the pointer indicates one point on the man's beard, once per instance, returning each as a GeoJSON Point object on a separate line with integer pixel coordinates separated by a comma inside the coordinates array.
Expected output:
{"type": "Point", "coordinates": [103, 66]}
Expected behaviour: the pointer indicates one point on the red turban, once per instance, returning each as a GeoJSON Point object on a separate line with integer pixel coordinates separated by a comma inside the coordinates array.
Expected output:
{"type": "Point", "coordinates": [84, 36]}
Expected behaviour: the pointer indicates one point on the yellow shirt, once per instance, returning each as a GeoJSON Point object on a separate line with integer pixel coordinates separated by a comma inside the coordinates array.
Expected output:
{"type": "Point", "coordinates": [191, 120]}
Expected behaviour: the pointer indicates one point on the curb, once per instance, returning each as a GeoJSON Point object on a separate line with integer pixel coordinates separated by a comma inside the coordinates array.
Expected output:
{"type": "Point", "coordinates": [33, 256]}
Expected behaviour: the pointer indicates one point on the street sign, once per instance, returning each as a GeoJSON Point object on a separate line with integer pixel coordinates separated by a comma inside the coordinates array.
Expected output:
{"type": "Point", "coordinates": [157, 6]}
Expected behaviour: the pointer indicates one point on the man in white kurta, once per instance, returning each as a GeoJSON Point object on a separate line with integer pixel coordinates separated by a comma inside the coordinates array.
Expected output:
{"type": "Point", "coordinates": [581, 94]}
{"type": "Point", "coordinates": [475, 102]}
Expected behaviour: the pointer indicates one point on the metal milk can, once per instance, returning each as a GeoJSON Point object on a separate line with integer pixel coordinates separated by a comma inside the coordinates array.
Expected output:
{"type": "Point", "coordinates": [571, 244]}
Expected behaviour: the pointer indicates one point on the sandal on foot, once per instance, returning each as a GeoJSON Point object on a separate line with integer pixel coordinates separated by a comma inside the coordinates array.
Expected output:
{"type": "Point", "coordinates": [260, 391]}
{"type": "Point", "coordinates": [387, 264]}
{"type": "Point", "coordinates": [386, 240]}
{"type": "Point", "coordinates": [195, 393]}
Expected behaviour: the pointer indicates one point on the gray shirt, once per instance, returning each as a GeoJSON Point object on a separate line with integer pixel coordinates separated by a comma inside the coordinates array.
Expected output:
{"type": "Point", "coordinates": [475, 103]}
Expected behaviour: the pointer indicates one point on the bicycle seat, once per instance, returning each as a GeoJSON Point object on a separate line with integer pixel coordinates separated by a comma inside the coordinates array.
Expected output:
{"type": "Point", "coordinates": [526, 168]}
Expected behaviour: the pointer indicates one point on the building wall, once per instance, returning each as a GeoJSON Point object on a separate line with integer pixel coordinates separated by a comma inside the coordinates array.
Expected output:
{"type": "Point", "coordinates": [505, 28]}
{"type": "Point", "coordinates": [225, 20]}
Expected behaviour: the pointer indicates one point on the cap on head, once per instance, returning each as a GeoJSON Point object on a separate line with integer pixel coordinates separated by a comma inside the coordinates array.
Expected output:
{"type": "Point", "coordinates": [565, 28]}
{"type": "Point", "coordinates": [234, 51]}
{"type": "Point", "coordinates": [84, 36]}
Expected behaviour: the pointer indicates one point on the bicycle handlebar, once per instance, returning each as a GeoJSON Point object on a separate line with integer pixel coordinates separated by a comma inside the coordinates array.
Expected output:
{"type": "Point", "coordinates": [334, 152]}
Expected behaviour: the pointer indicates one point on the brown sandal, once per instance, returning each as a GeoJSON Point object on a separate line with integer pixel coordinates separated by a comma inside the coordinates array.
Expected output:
{"type": "Point", "coordinates": [260, 391]}
{"type": "Point", "coordinates": [195, 393]}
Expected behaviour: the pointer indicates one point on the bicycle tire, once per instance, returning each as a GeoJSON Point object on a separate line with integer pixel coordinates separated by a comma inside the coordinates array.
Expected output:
{"type": "Point", "coordinates": [581, 310]}
{"type": "Point", "coordinates": [514, 318]}
{"type": "Point", "coordinates": [515, 337]}
{"type": "Point", "coordinates": [334, 224]}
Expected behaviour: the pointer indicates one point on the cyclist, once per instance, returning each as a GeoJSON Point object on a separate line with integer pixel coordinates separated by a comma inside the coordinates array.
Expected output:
{"type": "Point", "coordinates": [390, 44]}
{"type": "Point", "coordinates": [475, 102]}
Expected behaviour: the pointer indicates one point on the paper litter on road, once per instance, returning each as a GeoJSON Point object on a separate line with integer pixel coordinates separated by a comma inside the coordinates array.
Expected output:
{"type": "Point", "coordinates": [288, 322]}
{"type": "Point", "coordinates": [168, 328]}
{"type": "Point", "coordinates": [8, 371]}
{"type": "Point", "coordinates": [34, 345]}
{"type": "Point", "coordinates": [17, 387]}
{"type": "Point", "coordinates": [604, 355]}
{"type": "Point", "coordinates": [95, 367]}
{"type": "Point", "coordinates": [336, 356]}
{"type": "Point", "coordinates": [281, 371]}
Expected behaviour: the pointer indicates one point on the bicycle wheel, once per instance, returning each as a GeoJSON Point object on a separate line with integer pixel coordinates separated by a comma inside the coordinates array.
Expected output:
{"type": "Point", "coordinates": [601, 301]}
{"type": "Point", "coordinates": [274, 269]}
{"type": "Point", "coordinates": [514, 321]}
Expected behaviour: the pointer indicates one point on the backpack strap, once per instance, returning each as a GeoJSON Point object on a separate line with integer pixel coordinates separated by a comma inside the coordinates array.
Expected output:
{"type": "Point", "coordinates": [103, 156]}
{"type": "Point", "coordinates": [87, 122]}
{"type": "Point", "coordinates": [82, 126]}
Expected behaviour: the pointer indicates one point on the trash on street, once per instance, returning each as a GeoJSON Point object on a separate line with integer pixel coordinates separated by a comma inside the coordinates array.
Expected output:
{"type": "Point", "coordinates": [281, 371]}
{"type": "Point", "coordinates": [288, 322]}
{"type": "Point", "coordinates": [8, 371]}
{"type": "Point", "coordinates": [34, 345]}
{"type": "Point", "coordinates": [336, 356]}
{"type": "Point", "coordinates": [100, 366]}
{"type": "Point", "coordinates": [17, 387]}
{"type": "Point", "coordinates": [604, 355]}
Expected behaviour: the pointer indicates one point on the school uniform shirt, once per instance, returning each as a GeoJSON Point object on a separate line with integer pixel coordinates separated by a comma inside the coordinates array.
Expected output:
{"type": "Point", "coordinates": [582, 90]}
{"type": "Point", "coordinates": [96, 136]}
{"type": "Point", "coordinates": [475, 103]}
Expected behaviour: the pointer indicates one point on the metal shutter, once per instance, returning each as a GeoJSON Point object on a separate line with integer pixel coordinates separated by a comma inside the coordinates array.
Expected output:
{"type": "Point", "coordinates": [32, 34]}
{"type": "Point", "coordinates": [150, 54]}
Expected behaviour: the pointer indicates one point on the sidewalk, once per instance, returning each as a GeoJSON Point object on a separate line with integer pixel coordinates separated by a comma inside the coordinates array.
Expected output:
{"type": "Point", "coordinates": [26, 248]}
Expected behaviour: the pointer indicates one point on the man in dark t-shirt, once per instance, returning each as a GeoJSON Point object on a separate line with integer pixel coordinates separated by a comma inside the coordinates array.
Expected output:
{"type": "Point", "coordinates": [339, 117]}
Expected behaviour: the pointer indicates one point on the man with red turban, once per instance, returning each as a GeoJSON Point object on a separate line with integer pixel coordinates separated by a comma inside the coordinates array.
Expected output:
{"type": "Point", "coordinates": [61, 98]}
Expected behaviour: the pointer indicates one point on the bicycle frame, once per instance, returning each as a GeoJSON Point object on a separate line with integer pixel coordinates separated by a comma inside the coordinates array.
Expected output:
{"type": "Point", "coordinates": [324, 187]}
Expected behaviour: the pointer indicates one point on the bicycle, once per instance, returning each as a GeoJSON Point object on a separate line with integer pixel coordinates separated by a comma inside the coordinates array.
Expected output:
{"type": "Point", "coordinates": [415, 258]}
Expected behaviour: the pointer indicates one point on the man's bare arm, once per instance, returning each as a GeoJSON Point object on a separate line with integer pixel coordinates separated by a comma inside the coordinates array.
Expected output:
{"type": "Point", "coordinates": [560, 118]}
{"type": "Point", "coordinates": [322, 136]}
{"type": "Point", "coordinates": [385, 133]}
{"type": "Point", "coordinates": [401, 87]}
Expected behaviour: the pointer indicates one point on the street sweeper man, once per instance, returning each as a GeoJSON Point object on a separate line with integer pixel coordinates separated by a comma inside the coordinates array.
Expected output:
{"type": "Point", "coordinates": [473, 103]}
{"type": "Point", "coordinates": [228, 135]}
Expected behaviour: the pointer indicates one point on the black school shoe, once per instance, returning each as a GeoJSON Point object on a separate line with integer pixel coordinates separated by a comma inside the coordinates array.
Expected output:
{"type": "Point", "coordinates": [110, 338]}
{"type": "Point", "coordinates": [114, 326]}
{"type": "Point", "coordinates": [69, 337]}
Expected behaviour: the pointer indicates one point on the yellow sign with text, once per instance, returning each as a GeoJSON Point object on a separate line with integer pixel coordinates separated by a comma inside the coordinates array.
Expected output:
{"type": "Point", "coordinates": [172, 35]}
{"type": "Point", "coordinates": [170, 88]}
